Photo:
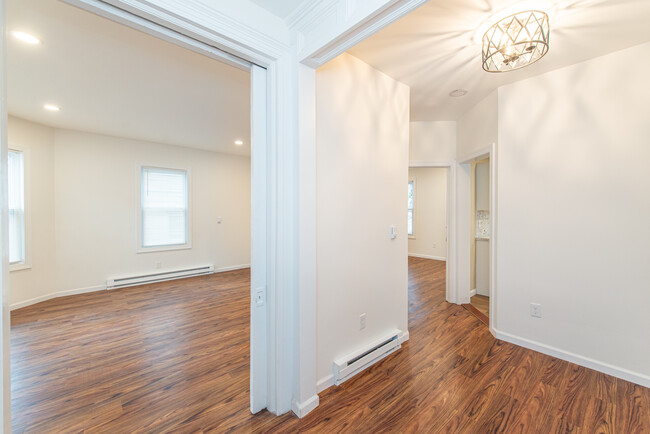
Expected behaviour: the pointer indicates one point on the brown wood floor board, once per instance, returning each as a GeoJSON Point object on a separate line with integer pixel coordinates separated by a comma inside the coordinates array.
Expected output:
{"type": "Point", "coordinates": [174, 357]}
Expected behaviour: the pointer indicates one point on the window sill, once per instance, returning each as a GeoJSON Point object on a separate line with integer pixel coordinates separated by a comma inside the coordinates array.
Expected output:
{"type": "Point", "coordinates": [19, 267]}
{"type": "Point", "coordinates": [163, 248]}
{"type": "Point", "coordinates": [411, 237]}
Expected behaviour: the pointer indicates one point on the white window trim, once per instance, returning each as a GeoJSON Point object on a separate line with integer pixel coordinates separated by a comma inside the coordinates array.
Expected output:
{"type": "Point", "coordinates": [27, 263]}
{"type": "Point", "coordinates": [412, 236]}
{"type": "Point", "coordinates": [139, 247]}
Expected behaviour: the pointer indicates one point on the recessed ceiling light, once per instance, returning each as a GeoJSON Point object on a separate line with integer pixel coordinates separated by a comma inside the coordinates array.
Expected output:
{"type": "Point", "coordinates": [52, 107]}
{"type": "Point", "coordinates": [239, 142]}
{"type": "Point", "coordinates": [458, 93]}
{"type": "Point", "coordinates": [26, 37]}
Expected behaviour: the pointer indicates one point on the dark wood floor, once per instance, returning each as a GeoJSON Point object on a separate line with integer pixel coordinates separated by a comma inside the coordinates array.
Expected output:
{"type": "Point", "coordinates": [173, 357]}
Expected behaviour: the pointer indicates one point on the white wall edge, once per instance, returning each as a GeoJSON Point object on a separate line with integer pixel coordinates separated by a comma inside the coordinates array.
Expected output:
{"type": "Point", "coordinates": [103, 287]}
{"type": "Point", "coordinates": [437, 258]}
{"type": "Point", "coordinates": [303, 409]}
{"type": "Point", "coordinates": [568, 356]}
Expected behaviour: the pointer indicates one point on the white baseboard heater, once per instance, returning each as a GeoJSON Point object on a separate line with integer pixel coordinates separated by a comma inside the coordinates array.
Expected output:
{"type": "Point", "coordinates": [141, 279]}
{"type": "Point", "coordinates": [350, 365]}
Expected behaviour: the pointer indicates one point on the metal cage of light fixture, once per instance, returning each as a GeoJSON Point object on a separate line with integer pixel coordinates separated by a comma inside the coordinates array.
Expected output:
{"type": "Point", "coordinates": [516, 41]}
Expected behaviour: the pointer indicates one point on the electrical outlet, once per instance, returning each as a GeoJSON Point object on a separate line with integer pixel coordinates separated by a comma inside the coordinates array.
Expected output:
{"type": "Point", "coordinates": [362, 321]}
{"type": "Point", "coordinates": [158, 264]}
{"type": "Point", "coordinates": [536, 310]}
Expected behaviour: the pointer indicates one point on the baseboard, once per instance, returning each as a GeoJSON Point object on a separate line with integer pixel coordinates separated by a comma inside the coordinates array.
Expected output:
{"type": "Point", "coordinates": [436, 258]}
{"type": "Point", "coordinates": [232, 268]}
{"type": "Point", "coordinates": [303, 409]}
{"type": "Point", "coordinates": [325, 383]}
{"type": "Point", "coordinates": [472, 293]}
{"type": "Point", "coordinates": [99, 288]}
{"type": "Point", "coordinates": [56, 295]}
{"type": "Point", "coordinates": [587, 362]}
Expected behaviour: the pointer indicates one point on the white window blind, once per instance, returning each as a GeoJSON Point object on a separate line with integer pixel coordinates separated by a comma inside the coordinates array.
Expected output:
{"type": "Point", "coordinates": [16, 185]}
{"type": "Point", "coordinates": [411, 204]}
{"type": "Point", "coordinates": [164, 207]}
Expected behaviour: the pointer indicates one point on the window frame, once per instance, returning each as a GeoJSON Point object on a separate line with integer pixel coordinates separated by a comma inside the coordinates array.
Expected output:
{"type": "Point", "coordinates": [411, 236]}
{"type": "Point", "coordinates": [26, 264]}
{"type": "Point", "coordinates": [140, 248]}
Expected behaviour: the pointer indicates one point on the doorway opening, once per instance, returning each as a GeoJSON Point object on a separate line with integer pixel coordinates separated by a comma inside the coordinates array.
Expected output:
{"type": "Point", "coordinates": [427, 224]}
{"type": "Point", "coordinates": [480, 283]}
{"type": "Point", "coordinates": [136, 167]}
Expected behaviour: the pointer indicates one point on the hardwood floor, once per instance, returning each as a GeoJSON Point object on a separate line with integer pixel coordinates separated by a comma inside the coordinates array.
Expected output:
{"type": "Point", "coordinates": [173, 357]}
{"type": "Point", "coordinates": [479, 306]}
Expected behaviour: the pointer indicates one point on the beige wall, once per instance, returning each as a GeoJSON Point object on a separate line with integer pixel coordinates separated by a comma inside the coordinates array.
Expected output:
{"type": "Point", "coordinates": [573, 210]}
{"type": "Point", "coordinates": [478, 128]}
{"type": "Point", "coordinates": [362, 137]}
{"type": "Point", "coordinates": [37, 143]}
{"type": "Point", "coordinates": [92, 184]}
{"type": "Point", "coordinates": [432, 142]}
{"type": "Point", "coordinates": [429, 238]}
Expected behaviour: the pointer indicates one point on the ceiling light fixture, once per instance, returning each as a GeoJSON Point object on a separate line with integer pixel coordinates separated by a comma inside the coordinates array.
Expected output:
{"type": "Point", "coordinates": [52, 107]}
{"type": "Point", "coordinates": [458, 93]}
{"type": "Point", "coordinates": [239, 142]}
{"type": "Point", "coordinates": [516, 41]}
{"type": "Point", "coordinates": [26, 37]}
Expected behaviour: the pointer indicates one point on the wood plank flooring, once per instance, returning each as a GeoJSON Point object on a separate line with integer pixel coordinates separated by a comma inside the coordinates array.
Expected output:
{"type": "Point", "coordinates": [173, 357]}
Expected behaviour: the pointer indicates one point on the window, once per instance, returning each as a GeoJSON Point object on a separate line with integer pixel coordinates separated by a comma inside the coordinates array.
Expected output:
{"type": "Point", "coordinates": [16, 185]}
{"type": "Point", "coordinates": [164, 208]}
{"type": "Point", "coordinates": [411, 202]}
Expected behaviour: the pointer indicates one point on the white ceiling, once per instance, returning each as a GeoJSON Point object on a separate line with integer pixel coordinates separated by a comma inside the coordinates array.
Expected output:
{"type": "Point", "coordinates": [111, 79]}
{"type": "Point", "coordinates": [281, 8]}
{"type": "Point", "coordinates": [437, 48]}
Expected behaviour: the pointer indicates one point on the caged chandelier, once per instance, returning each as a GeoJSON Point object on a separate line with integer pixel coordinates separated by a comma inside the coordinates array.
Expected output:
{"type": "Point", "coordinates": [516, 41]}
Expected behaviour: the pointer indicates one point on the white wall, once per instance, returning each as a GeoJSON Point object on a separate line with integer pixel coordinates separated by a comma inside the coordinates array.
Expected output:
{"type": "Point", "coordinates": [362, 136]}
{"type": "Point", "coordinates": [93, 183]}
{"type": "Point", "coordinates": [432, 142]}
{"type": "Point", "coordinates": [478, 128]}
{"type": "Point", "coordinates": [429, 238]}
{"type": "Point", "coordinates": [573, 189]}
{"type": "Point", "coordinates": [37, 143]}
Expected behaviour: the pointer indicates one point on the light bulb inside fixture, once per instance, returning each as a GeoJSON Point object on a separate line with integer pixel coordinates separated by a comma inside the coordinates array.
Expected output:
{"type": "Point", "coordinates": [52, 107]}
{"type": "Point", "coordinates": [239, 142]}
{"type": "Point", "coordinates": [26, 37]}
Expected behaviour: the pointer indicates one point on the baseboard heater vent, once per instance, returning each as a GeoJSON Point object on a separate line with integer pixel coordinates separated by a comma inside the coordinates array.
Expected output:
{"type": "Point", "coordinates": [350, 365]}
{"type": "Point", "coordinates": [141, 279]}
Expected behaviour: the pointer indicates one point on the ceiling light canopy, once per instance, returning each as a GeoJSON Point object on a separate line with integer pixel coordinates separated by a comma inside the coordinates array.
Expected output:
{"type": "Point", "coordinates": [458, 93]}
{"type": "Point", "coordinates": [516, 41]}
{"type": "Point", "coordinates": [26, 37]}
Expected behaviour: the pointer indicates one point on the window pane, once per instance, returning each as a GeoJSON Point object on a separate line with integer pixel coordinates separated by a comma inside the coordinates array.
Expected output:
{"type": "Point", "coordinates": [410, 222]}
{"type": "Point", "coordinates": [411, 192]}
{"type": "Point", "coordinates": [16, 201]}
{"type": "Point", "coordinates": [164, 207]}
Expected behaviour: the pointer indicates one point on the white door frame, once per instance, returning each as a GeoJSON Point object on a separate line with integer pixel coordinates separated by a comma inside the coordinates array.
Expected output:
{"type": "Point", "coordinates": [215, 35]}
{"type": "Point", "coordinates": [450, 265]}
{"type": "Point", "coordinates": [464, 201]}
